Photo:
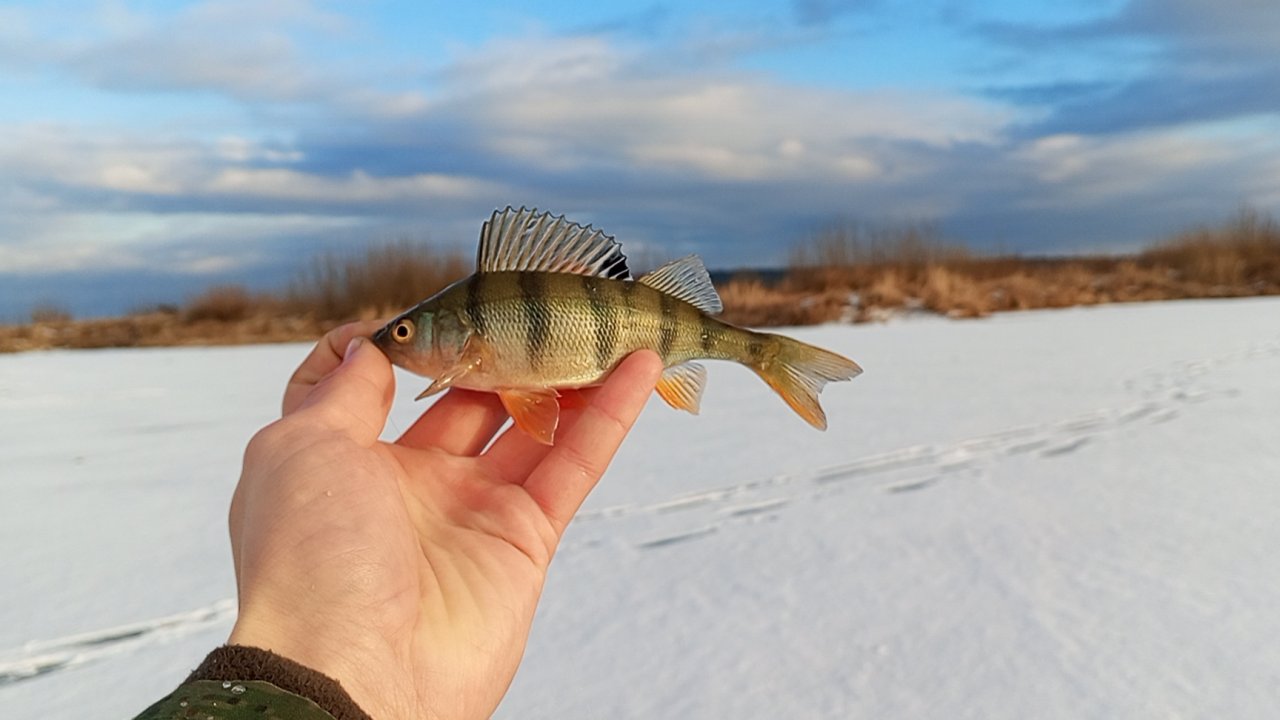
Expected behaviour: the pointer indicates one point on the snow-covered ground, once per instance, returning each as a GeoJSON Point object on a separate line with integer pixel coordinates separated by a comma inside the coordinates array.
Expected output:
{"type": "Point", "coordinates": [1061, 514]}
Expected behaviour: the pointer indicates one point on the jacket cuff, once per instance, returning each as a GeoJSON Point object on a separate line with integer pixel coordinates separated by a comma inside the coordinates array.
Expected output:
{"type": "Point", "coordinates": [227, 700]}
{"type": "Point", "coordinates": [231, 663]}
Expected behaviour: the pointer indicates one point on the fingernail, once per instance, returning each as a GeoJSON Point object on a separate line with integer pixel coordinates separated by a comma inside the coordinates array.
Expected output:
{"type": "Point", "coordinates": [351, 348]}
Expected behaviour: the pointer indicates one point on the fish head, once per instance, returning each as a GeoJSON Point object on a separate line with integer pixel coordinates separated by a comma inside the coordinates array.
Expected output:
{"type": "Point", "coordinates": [423, 340]}
{"type": "Point", "coordinates": [405, 337]}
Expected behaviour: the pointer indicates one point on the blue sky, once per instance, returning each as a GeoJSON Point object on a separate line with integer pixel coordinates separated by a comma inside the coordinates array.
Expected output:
{"type": "Point", "coordinates": [150, 149]}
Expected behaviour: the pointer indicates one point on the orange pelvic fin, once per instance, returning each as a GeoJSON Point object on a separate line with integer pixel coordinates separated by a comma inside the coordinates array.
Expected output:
{"type": "Point", "coordinates": [573, 398]}
{"type": "Point", "coordinates": [681, 386]}
{"type": "Point", "coordinates": [536, 412]}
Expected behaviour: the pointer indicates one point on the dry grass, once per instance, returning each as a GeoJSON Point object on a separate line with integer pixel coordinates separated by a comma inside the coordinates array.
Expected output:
{"type": "Point", "coordinates": [382, 280]}
{"type": "Point", "coordinates": [332, 289]}
{"type": "Point", "coordinates": [749, 301]}
{"type": "Point", "coordinates": [1241, 256]}
{"type": "Point", "coordinates": [224, 304]}
{"type": "Point", "coordinates": [953, 293]}
{"type": "Point", "coordinates": [49, 313]}
{"type": "Point", "coordinates": [157, 329]}
{"type": "Point", "coordinates": [886, 271]}
{"type": "Point", "coordinates": [844, 274]}
{"type": "Point", "coordinates": [911, 244]}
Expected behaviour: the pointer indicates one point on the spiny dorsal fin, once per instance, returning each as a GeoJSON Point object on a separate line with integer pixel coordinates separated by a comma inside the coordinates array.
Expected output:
{"type": "Point", "coordinates": [527, 240]}
{"type": "Point", "coordinates": [681, 386]}
{"type": "Point", "coordinates": [686, 279]}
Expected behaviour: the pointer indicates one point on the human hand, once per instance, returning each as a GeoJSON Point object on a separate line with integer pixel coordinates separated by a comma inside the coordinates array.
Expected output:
{"type": "Point", "coordinates": [409, 571]}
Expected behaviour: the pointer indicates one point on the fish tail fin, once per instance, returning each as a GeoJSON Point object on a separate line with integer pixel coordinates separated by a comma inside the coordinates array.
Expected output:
{"type": "Point", "coordinates": [798, 371]}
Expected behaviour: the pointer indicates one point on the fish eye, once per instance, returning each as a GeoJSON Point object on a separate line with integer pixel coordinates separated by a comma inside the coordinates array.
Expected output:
{"type": "Point", "coordinates": [402, 331]}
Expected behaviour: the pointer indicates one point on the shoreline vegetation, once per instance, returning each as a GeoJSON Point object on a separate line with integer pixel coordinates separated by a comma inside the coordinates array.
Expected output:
{"type": "Point", "coordinates": [848, 273]}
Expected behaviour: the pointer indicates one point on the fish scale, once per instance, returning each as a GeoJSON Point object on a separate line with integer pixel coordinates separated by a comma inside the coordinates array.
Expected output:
{"type": "Point", "coordinates": [587, 327]}
{"type": "Point", "coordinates": [552, 305]}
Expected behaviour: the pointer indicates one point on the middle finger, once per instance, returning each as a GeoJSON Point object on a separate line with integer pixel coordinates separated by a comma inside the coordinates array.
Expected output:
{"type": "Point", "coordinates": [461, 423]}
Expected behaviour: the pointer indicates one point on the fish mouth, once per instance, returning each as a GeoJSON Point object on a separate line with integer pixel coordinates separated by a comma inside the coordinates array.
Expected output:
{"type": "Point", "coordinates": [380, 337]}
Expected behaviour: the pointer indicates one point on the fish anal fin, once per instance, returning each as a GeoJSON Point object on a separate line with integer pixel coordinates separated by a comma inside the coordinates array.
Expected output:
{"type": "Point", "coordinates": [536, 412]}
{"type": "Point", "coordinates": [526, 240]}
{"type": "Point", "coordinates": [681, 386]}
{"type": "Point", "coordinates": [686, 279]}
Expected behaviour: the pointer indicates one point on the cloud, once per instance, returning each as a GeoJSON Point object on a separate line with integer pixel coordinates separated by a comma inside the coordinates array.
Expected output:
{"type": "Point", "coordinates": [666, 146]}
{"type": "Point", "coordinates": [136, 171]}
{"type": "Point", "coordinates": [821, 12]}
{"type": "Point", "coordinates": [1167, 99]}
{"type": "Point", "coordinates": [1188, 61]}
{"type": "Point", "coordinates": [182, 243]}
{"type": "Point", "coordinates": [647, 21]}
{"type": "Point", "coordinates": [355, 188]}
{"type": "Point", "coordinates": [581, 102]}
{"type": "Point", "coordinates": [261, 55]}
{"type": "Point", "coordinates": [1085, 171]}
{"type": "Point", "coordinates": [736, 165]}
{"type": "Point", "coordinates": [1219, 31]}
{"type": "Point", "coordinates": [578, 124]}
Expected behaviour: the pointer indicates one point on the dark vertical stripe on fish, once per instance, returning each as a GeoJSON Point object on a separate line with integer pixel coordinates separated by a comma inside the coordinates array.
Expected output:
{"type": "Point", "coordinates": [688, 329]}
{"type": "Point", "coordinates": [709, 332]}
{"type": "Point", "coordinates": [606, 317]}
{"type": "Point", "coordinates": [755, 349]}
{"type": "Point", "coordinates": [475, 302]}
{"type": "Point", "coordinates": [668, 329]}
{"type": "Point", "coordinates": [537, 315]}
{"type": "Point", "coordinates": [628, 292]}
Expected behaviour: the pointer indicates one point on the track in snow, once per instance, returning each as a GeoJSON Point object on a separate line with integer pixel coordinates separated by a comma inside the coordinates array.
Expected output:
{"type": "Point", "coordinates": [41, 657]}
{"type": "Point", "coordinates": [1160, 396]}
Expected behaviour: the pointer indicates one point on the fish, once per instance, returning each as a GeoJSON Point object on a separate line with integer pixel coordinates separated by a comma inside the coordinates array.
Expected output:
{"type": "Point", "coordinates": [552, 306]}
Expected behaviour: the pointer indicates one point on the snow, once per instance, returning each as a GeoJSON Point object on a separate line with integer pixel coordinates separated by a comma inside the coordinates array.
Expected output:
{"type": "Point", "coordinates": [1055, 514]}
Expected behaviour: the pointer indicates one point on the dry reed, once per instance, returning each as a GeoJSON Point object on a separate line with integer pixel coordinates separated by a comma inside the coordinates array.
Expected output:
{"type": "Point", "coordinates": [222, 303]}
{"type": "Point", "coordinates": [1242, 255]}
{"type": "Point", "coordinates": [889, 270]}
{"type": "Point", "coordinates": [381, 280]}
{"type": "Point", "coordinates": [845, 273]}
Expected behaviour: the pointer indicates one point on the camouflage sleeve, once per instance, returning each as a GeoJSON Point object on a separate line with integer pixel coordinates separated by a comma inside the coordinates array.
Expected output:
{"type": "Point", "coordinates": [226, 700]}
{"type": "Point", "coordinates": [236, 682]}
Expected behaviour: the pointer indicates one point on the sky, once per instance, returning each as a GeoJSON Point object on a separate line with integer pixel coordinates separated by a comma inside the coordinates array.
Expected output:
{"type": "Point", "coordinates": [148, 150]}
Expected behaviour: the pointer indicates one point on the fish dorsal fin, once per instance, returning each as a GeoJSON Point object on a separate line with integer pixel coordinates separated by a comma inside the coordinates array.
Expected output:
{"type": "Point", "coordinates": [686, 279]}
{"type": "Point", "coordinates": [529, 241]}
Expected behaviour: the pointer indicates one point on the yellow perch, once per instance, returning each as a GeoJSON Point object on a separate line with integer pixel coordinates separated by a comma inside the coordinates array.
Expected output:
{"type": "Point", "coordinates": [552, 305]}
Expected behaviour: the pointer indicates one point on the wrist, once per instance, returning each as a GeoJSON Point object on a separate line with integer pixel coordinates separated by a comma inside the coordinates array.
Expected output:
{"type": "Point", "coordinates": [370, 682]}
{"type": "Point", "coordinates": [233, 674]}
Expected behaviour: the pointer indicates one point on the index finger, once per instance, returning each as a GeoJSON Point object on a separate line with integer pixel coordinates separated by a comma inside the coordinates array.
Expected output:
{"type": "Point", "coordinates": [324, 357]}
{"type": "Point", "coordinates": [572, 468]}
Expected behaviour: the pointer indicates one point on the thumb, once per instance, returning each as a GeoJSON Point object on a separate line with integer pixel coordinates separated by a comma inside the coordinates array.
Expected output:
{"type": "Point", "coordinates": [354, 397]}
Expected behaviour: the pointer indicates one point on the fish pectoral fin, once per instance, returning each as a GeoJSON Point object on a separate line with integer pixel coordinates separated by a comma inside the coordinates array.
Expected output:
{"type": "Point", "coordinates": [472, 357]}
{"type": "Point", "coordinates": [440, 384]}
{"type": "Point", "coordinates": [681, 386]}
{"type": "Point", "coordinates": [536, 412]}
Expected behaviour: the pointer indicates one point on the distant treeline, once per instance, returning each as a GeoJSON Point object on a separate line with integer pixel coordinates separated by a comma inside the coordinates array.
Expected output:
{"type": "Point", "coordinates": [849, 272]}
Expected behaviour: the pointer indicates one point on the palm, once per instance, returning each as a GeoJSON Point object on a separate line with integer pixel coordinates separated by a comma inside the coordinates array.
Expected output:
{"type": "Point", "coordinates": [472, 555]}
